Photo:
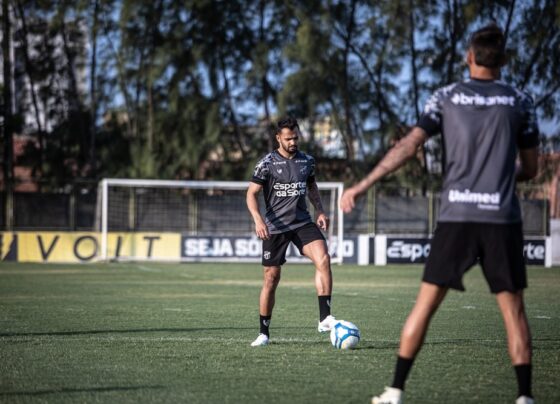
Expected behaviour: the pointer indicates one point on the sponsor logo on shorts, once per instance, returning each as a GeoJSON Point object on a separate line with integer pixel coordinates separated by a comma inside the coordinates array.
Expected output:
{"type": "Point", "coordinates": [266, 255]}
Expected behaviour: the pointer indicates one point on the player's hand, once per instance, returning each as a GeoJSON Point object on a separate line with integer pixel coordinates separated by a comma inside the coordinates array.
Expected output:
{"type": "Point", "coordinates": [262, 231]}
{"type": "Point", "coordinates": [323, 221]}
{"type": "Point", "coordinates": [348, 200]}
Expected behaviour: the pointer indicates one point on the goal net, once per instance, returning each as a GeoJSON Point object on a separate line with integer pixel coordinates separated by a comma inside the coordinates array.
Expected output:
{"type": "Point", "coordinates": [209, 221]}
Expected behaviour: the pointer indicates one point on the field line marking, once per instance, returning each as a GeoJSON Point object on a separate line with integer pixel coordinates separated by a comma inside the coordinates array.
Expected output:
{"type": "Point", "coordinates": [147, 269]}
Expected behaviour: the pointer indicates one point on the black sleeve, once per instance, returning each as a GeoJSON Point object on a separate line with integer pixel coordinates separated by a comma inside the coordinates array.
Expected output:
{"type": "Point", "coordinates": [528, 136]}
{"type": "Point", "coordinates": [261, 172]}
{"type": "Point", "coordinates": [429, 125]}
{"type": "Point", "coordinates": [430, 120]}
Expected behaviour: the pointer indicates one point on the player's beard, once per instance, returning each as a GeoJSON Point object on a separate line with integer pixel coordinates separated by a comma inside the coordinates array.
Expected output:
{"type": "Point", "coordinates": [291, 150]}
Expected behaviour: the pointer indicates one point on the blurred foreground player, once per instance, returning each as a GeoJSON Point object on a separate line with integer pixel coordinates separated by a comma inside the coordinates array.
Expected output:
{"type": "Point", "coordinates": [286, 176]}
{"type": "Point", "coordinates": [486, 125]}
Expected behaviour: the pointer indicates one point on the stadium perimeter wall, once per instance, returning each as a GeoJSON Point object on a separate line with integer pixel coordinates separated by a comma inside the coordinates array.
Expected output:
{"type": "Point", "coordinates": [365, 249]}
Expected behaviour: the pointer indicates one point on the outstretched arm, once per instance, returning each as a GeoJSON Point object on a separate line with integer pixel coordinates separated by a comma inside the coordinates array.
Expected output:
{"type": "Point", "coordinates": [253, 205]}
{"type": "Point", "coordinates": [404, 150]}
{"type": "Point", "coordinates": [315, 198]}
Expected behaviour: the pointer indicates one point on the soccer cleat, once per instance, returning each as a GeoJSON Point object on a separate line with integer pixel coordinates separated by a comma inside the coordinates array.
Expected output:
{"type": "Point", "coordinates": [524, 400]}
{"type": "Point", "coordinates": [327, 324]}
{"type": "Point", "coordinates": [391, 395]}
{"type": "Point", "coordinates": [262, 340]}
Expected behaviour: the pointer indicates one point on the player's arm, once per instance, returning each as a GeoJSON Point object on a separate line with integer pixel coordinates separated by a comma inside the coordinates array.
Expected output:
{"type": "Point", "coordinates": [315, 198]}
{"type": "Point", "coordinates": [404, 150]}
{"type": "Point", "coordinates": [253, 205]}
{"type": "Point", "coordinates": [528, 164]}
{"type": "Point", "coordinates": [528, 142]}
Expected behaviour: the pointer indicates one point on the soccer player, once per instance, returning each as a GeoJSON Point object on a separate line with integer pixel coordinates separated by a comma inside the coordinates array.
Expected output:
{"type": "Point", "coordinates": [286, 177]}
{"type": "Point", "coordinates": [485, 124]}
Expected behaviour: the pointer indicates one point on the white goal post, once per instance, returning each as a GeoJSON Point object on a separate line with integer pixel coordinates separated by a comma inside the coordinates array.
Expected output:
{"type": "Point", "coordinates": [204, 221]}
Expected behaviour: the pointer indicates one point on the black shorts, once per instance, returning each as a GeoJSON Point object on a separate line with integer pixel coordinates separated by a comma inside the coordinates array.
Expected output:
{"type": "Point", "coordinates": [274, 249]}
{"type": "Point", "coordinates": [498, 248]}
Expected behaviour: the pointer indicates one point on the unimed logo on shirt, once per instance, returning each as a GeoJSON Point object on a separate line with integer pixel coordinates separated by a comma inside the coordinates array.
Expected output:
{"type": "Point", "coordinates": [484, 200]}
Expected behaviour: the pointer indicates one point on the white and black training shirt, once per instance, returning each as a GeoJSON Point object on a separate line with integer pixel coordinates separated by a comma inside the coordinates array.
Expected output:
{"type": "Point", "coordinates": [483, 124]}
{"type": "Point", "coordinates": [284, 184]}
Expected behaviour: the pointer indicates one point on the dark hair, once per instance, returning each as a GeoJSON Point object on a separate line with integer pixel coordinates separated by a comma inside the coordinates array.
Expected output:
{"type": "Point", "coordinates": [286, 122]}
{"type": "Point", "coordinates": [489, 46]}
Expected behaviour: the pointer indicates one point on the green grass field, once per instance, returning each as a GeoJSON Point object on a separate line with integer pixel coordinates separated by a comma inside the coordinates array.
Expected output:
{"type": "Point", "coordinates": [127, 333]}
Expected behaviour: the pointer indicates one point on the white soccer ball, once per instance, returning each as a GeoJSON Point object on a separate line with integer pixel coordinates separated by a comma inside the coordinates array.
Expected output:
{"type": "Point", "coordinates": [345, 335]}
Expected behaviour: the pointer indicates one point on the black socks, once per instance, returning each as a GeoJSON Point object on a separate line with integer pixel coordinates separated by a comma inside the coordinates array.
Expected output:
{"type": "Point", "coordinates": [264, 322]}
{"type": "Point", "coordinates": [401, 372]}
{"type": "Point", "coordinates": [324, 307]}
{"type": "Point", "coordinates": [324, 311]}
{"type": "Point", "coordinates": [523, 373]}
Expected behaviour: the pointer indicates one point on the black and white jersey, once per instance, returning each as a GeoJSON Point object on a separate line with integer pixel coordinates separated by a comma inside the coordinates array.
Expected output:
{"type": "Point", "coordinates": [483, 124]}
{"type": "Point", "coordinates": [284, 184]}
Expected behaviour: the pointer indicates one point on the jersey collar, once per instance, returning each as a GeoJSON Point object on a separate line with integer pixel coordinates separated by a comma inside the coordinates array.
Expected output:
{"type": "Point", "coordinates": [298, 154]}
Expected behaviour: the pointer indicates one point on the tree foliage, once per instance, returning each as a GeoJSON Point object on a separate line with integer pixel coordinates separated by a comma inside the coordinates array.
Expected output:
{"type": "Point", "coordinates": [169, 89]}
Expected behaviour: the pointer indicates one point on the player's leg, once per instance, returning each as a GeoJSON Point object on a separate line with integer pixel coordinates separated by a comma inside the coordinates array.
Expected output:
{"type": "Point", "coordinates": [519, 338]}
{"type": "Point", "coordinates": [317, 252]}
{"type": "Point", "coordinates": [452, 253]}
{"type": "Point", "coordinates": [268, 291]}
{"type": "Point", "coordinates": [267, 299]}
{"type": "Point", "coordinates": [503, 266]}
{"type": "Point", "coordinates": [274, 255]}
{"type": "Point", "coordinates": [266, 302]}
{"type": "Point", "coordinates": [416, 325]}
{"type": "Point", "coordinates": [412, 337]}
{"type": "Point", "coordinates": [312, 244]}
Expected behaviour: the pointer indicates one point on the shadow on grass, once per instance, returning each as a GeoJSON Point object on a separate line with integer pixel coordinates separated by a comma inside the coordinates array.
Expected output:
{"type": "Point", "coordinates": [454, 341]}
{"type": "Point", "coordinates": [369, 346]}
{"type": "Point", "coordinates": [132, 331]}
{"type": "Point", "coordinates": [82, 390]}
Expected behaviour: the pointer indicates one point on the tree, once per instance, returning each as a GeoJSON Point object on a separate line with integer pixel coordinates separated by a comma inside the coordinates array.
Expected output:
{"type": "Point", "coordinates": [189, 89]}
{"type": "Point", "coordinates": [7, 110]}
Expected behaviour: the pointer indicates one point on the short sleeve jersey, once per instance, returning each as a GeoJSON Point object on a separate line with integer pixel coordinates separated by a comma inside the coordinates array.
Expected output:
{"type": "Point", "coordinates": [284, 184]}
{"type": "Point", "coordinates": [483, 125]}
